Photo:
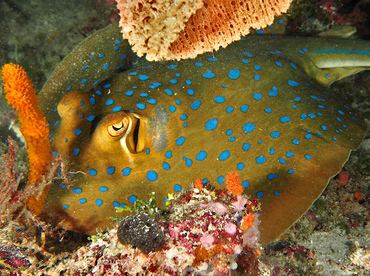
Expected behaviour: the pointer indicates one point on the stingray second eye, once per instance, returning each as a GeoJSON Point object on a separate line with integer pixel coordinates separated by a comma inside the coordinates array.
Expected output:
{"type": "Point", "coordinates": [119, 128]}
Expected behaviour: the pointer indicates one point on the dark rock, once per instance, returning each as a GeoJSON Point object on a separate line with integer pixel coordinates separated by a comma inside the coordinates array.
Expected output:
{"type": "Point", "coordinates": [142, 232]}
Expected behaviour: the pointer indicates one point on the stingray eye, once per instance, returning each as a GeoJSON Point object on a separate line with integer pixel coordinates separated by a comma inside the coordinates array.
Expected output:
{"type": "Point", "coordinates": [118, 128]}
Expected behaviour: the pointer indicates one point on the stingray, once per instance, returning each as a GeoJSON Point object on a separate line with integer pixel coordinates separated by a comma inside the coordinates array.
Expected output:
{"type": "Point", "coordinates": [261, 107]}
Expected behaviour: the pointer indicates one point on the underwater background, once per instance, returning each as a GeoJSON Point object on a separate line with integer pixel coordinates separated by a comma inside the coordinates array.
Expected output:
{"type": "Point", "coordinates": [333, 238]}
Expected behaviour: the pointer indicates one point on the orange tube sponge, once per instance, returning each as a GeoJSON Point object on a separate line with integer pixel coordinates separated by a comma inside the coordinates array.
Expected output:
{"type": "Point", "coordinates": [21, 95]}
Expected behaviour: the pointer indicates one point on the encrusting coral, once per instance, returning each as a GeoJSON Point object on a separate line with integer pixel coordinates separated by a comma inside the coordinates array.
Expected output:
{"type": "Point", "coordinates": [171, 29]}
{"type": "Point", "coordinates": [21, 95]}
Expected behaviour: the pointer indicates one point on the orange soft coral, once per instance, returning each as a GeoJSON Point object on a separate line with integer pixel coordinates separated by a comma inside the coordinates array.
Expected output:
{"type": "Point", "coordinates": [233, 183]}
{"type": "Point", "coordinates": [21, 95]}
{"type": "Point", "coordinates": [247, 222]}
{"type": "Point", "coordinates": [198, 184]}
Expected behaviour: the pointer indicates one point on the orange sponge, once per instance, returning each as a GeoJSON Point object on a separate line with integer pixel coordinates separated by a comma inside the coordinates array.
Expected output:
{"type": "Point", "coordinates": [21, 95]}
{"type": "Point", "coordinates": [180, 29]}
{"type": "Point", "coordinates": [220, 22]}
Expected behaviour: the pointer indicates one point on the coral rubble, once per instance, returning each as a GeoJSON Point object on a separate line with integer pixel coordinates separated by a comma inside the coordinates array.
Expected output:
{"type": "Point", "coordinates": [202, 232]}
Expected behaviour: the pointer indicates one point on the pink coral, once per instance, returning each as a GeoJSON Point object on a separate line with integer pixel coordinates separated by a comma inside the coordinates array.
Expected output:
{"type": "Point", "coordinates": [216, 207]}
{"type": "Point", "coordinates": [207, 241]}
{"type": "Point", "coordinates": [230, 228]}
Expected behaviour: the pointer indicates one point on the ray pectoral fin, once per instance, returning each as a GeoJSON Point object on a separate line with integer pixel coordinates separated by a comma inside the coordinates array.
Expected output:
{"type": "Point", "coordinates": [92, 61]}
{"type": "Point", "coordinates": [298, 191]}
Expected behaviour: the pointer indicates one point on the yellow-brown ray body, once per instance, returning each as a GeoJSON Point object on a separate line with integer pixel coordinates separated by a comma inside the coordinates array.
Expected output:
{"type": "Point", "coordinates": [253, 107]}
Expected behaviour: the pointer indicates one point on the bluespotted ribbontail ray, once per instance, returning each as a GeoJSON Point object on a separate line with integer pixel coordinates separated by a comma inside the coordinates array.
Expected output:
{"type": "Point", "coordinates": [259, 107]}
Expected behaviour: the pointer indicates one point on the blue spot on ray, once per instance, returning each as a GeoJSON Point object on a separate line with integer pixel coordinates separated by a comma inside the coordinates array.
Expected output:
{"type": "Point", "coordinates": [249, 127]}
{"type": "Point", "coordinates": [257, 67]}
{"type": "Point", "coordinates": [201, 155]}
{"type": "Point", "coordinates": [166, 166]}
{"type": "Point", "coordinates": [93, 172]}
{"type": "Point", "coordinates": [98, 202]}
{"type": "Point", "coordinates": [240, 166]}
{"type": "Point", "coordinates": [234, 74]}
{"type": "Point", "coordinates": [246, 146]}
{"type": "Point", "coordinates": [244, 108]}
{"type": "Point", "coordinates": [220, 179]}
{"type": "Point", "coordinates": [188, 161]}
{"type": "Point", "coordinates": [76, 151]}
{"type": "Point", "coordinates": [126, 171]}
{"type": "Point", "coordinates": [257, 96]}
{"type": "Point", "coordinates": [195, 104]}
{"type": "Point", "coordinates": [169, 92]}
{"type": "Point", "coordinates": [275, 134]}
{"type": "Point", "coordinates": [109, 102]}
{"type": "Point", "coordinates": [111, 170]}
{"type": "Point", "coordinates": [285, 119]}
{"type": "Point", "coordinates": [132, 199]}
{"type": "Point", "coordinates": [141, 106]}
{"type": "Point", "coordinates": [246, 184]}
{"type": "Point", "coordinates": [77, 191]}
{"type": "Point", "coordinates": [103, 189]}
{"type": "Point", "coordinates": [224, 155]}
{"type": "Point", "coordinates": [261, 160]}
{"type": "Point", "coordinates": [209, 74]}
{"type": "Point", "coordinates": [152, 175]}
{"type": "Point", "coordinates": [105, 66]}
{"type": "Point", "coordinates": [219, 99]}
{"type": "Point", "coordinates": [180, 141]}
{"type": "Point", "coordinates": [293, 83]}
{"type": "Point", "coordinates": [211, 124]}
{"type": "Point", "coordinates": [229, 109]}
{"type": "Point", "coordinates": [143, 77]}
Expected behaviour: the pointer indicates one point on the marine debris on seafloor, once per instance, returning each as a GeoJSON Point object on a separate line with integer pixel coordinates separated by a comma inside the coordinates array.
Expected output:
{"type": "Point", "coordinates": [206, 232]}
